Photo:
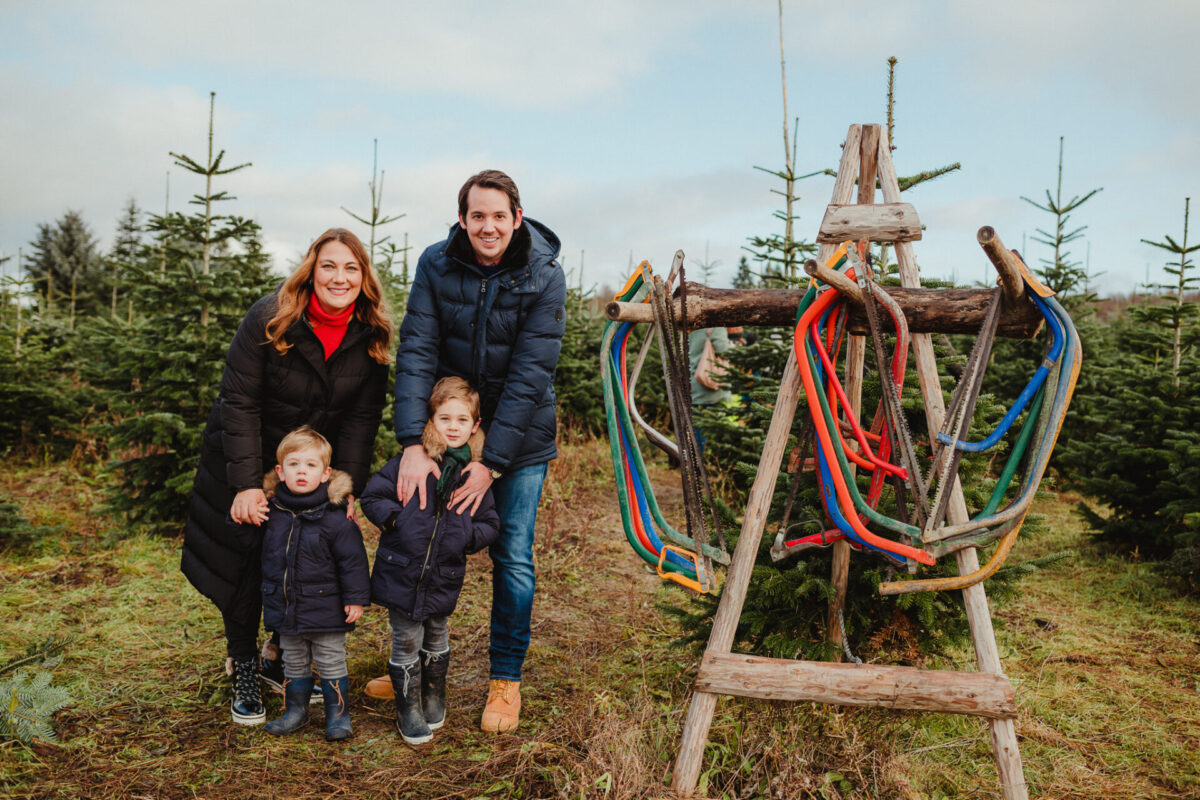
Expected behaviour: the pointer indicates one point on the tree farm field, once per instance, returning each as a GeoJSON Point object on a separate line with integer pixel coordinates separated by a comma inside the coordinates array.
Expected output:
{"type": "Point", "coordinates": [1104, 659]}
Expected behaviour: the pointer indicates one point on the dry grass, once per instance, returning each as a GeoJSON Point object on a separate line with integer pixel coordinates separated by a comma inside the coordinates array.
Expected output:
{"type": "Point", "coordinates": [1103, 659]}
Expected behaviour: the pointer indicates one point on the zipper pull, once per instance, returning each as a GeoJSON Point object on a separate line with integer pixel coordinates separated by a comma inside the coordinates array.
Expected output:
{"type": "Point", "coordinates": [483, 286]}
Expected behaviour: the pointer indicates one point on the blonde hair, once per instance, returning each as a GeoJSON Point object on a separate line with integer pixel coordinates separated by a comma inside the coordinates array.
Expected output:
{"type": "Point", "coordinates": [451, 389]}
{"type": "Point", "coordinates": [304, 438]}
{"type": "Point", "coordinates": [370, 306]}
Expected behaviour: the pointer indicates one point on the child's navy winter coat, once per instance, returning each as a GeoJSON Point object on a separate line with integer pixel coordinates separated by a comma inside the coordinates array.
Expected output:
{"type": "Point", "coordinates": [313, 559]}
{"type": "Point", "coordinates": [421, 560]}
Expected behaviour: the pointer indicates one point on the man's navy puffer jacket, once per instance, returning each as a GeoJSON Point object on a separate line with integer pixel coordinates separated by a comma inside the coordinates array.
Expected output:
{"type": "Point", "coordinates": [500, 331]}
{"type": "Point", "coordinates": [313, 559]}
{"type": "Point", "coordinates": [422, 555]}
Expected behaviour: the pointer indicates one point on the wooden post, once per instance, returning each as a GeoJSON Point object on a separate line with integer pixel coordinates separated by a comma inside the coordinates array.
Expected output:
{"type": "Point", "coordinates": [853, 382]}
{"type": "Point", "coordinates": [733, 595]}
{"type": "Point", "coordinates": [987, 655]}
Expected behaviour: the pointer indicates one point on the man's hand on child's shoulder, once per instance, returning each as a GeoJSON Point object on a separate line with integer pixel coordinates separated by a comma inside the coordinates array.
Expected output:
{"type": "Point", "coordinates": [470, 494]}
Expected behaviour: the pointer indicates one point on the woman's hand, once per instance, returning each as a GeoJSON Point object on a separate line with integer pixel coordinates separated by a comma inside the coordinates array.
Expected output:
{"type": "Point", "coordinates": [249, 506]}
{"type": "Point", "coordinates": [415, 466]}
{"type": "Point", "coordinates": [470, 493]}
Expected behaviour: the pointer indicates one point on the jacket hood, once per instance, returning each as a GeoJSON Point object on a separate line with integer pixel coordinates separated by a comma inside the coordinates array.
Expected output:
{"type": "Point", "coordinates": [532, 243]}
{"type": "Point", "coordinates": [338, 487]}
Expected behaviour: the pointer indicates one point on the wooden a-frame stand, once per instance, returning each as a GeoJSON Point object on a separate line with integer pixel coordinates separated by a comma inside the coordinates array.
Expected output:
{"type": "Point", "coordinates": [866, 154]}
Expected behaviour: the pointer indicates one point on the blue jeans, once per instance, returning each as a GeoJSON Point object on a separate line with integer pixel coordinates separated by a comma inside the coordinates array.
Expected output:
{"type": "Point", "coordinates": [517, 495]}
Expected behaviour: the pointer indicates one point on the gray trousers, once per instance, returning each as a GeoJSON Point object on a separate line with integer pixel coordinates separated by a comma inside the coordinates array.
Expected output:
{"type": "Point", "coordinates": [409, 637]}
{"type": "Point", "coordinates": [325, 651]}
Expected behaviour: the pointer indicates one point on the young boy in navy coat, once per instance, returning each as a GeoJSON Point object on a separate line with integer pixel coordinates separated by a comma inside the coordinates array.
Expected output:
{"type": "Point", "coordinates": [315, 578]}
{"type": "Point", "coordinates": [421, 560]}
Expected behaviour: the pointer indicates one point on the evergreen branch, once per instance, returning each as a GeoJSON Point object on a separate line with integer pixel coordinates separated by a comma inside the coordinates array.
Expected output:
{"type": "Point", "coordinates": [928, 175]}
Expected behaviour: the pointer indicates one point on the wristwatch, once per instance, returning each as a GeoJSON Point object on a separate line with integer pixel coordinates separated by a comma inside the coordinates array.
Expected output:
{"type": "Point", "coordinates": [495, 473]}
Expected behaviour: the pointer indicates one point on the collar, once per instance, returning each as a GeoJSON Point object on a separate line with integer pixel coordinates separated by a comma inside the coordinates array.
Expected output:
{"type": "Point", "coordinates": [319, 316]}
{"type": "Point", "coordinates": [316, 500]}
{"type": "Point", "coordinates": [517, 254]}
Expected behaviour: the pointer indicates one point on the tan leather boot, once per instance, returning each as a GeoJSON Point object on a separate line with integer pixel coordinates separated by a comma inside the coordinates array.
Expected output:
{"type": "Point", "coordinates": [503, 709]}
{"type": "Point", "coordinates": [380, 688]}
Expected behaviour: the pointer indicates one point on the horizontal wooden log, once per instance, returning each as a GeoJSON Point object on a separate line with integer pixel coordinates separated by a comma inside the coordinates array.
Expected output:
{"type": "Point", "coordinates": [885, 222]}
{"type": "Point", "coordinates": [927, 310]}
{"type": "Point", "coordinates": [980, 694]}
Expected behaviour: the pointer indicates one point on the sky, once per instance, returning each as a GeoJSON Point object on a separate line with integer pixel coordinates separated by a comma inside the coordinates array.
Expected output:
{"type": "Point", "coordinates": [632, 128]}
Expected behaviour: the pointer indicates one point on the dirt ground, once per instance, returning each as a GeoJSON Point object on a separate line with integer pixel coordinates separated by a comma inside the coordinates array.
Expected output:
{"type": "Point", "coordinates": [1104, 662]}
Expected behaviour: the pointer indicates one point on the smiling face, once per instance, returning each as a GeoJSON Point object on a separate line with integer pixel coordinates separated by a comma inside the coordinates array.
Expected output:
{"type": "Point", "coordinates": [337, 277]}
{"type": "Point", "coordinates": [303, 470]}
{"type": "Point", "coordinates": [454, 421]}
{"type": "Point", "coordinates": [489, 223]}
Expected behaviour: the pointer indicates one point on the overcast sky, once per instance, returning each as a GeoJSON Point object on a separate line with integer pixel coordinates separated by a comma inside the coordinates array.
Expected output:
{"type": "Point", "coordinates": [633, 128]}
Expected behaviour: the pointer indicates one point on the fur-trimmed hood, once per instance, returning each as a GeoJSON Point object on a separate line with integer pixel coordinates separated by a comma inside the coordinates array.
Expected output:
{"type": "Point", "coordinates": [340, 486]}
{"type": "Point", "coordinates": [435, 444]}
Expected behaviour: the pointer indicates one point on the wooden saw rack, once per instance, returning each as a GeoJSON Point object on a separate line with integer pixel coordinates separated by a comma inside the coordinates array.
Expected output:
{"type": "Point", "coordinates": [987, 693]}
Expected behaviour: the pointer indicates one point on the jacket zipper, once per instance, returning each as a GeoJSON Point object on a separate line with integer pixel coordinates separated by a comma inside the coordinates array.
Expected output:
{"type": "Point", "coordinates": [437, 524]}
{"type": "Point", "coordinates": [480, 334]}
{"type": "Point", "coordinates": [287, 562]}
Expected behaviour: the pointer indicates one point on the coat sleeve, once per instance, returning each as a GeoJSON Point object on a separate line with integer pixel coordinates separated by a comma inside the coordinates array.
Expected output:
{"type": "Point", "coordinates": [417, 356]}
{"type": "Point", "coordinates": [243, 385]}
{"type": "Point", "coordinates": [530, 371]}
{"type": "Point", "coordinates": [379, 501]}
{"type": "Point", "coordinates": [485, 525]}
{"type": "Point", "coordinates": [354, 576]}
{"type": "Point", "coordinates": [355, 447]}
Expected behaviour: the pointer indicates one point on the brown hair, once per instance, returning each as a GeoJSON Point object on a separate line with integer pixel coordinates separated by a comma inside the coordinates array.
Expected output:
{"type": "Point", "coordinates": [370, 306]}
{"type": "Point", "coordinates": [451, 389]}
{"type": "Point", "coordinates": [490, 179]}
{"type": "Point", "coordinates": [304, 438]}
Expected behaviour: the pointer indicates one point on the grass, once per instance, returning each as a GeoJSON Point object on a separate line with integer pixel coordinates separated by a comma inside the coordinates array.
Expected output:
{"type": "Point", "coordinates": [1104, 659]}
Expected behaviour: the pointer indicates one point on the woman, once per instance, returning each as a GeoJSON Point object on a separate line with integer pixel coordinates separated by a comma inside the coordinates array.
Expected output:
{"type": "Point", "coordinates": [314, 352]}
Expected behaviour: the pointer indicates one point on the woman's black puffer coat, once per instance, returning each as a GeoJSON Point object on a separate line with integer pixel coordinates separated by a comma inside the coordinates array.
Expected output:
{"type": "Point", "coordinates": [264, 396]}
{"type": "Point", "coordinates": [313, 559]}
{"type": "Point", "coordinates": [422, 557]}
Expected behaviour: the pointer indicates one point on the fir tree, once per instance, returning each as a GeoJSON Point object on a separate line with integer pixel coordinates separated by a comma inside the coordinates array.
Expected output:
{"type": "Point", "coordinates": [744, 278]}
{"type": "Point", "coordinates": [126, 250]}
{"type": "Point", "coordinates": [66, 259]}
{"type": "Point", "coordinates": [1178, 314]}
{"type": "Point", "coordinates": [1136, 442]}
{"type": "Point", "coordinates": [162, 371]}
{"type": "Point", "coordinates": [1059, 272]}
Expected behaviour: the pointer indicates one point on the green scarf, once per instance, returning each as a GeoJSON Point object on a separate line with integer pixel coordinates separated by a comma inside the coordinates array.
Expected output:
{"type": "Point", "coordinates": [453, 461]}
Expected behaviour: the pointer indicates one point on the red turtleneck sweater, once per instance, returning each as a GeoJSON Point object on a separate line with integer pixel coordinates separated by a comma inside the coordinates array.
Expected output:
{"type": "Point", "coordinates": [330, 328]}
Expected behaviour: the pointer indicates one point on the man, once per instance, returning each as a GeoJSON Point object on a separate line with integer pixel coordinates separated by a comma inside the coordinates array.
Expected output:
{"type": "Point", "coordinates": [488, 305]}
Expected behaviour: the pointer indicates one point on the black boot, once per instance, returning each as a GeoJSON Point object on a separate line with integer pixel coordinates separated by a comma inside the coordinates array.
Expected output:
{"type": "Point", "coordinates": [433, 687]}
{"type": "Point", "coordinates": [337, 707]}
{"type": "Point", "coordinates": [406, 686]}
{"type": "Point", "coordinates": [246, 703]}
{"type": "Point", "coordinates": [296, 692]}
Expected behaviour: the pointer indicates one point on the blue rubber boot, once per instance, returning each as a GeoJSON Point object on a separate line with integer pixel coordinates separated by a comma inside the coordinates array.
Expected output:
{"type": "Point", "coordinates": [337, 708]}
{"type": "Point", "coordinates": [296, 692]}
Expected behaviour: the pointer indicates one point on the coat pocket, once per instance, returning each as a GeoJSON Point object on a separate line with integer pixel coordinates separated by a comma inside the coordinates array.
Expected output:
{"type": "Point", "coordinates": [319, 589]}
{"type": "Point", "coordinates": [390, 557]}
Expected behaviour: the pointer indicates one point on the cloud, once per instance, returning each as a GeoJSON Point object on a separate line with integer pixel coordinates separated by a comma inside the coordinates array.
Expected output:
{"type": "Point", "coordinates": [531, 54]}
